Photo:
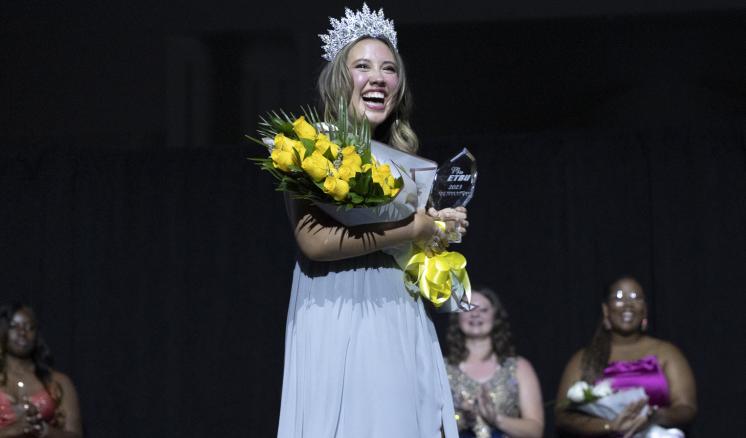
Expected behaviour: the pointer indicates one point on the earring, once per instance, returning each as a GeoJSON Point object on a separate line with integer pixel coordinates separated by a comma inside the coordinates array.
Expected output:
{"type": "Point", "coordinates": [607, 324]}
{"type": "Point", "coordinates": [644, 324]}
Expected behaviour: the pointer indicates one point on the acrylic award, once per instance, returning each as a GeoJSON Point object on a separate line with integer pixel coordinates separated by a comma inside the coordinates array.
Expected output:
{"type": "Point", "coordinates": [455, 182]}
{"type": "Point", "coordinates": [454, 185]}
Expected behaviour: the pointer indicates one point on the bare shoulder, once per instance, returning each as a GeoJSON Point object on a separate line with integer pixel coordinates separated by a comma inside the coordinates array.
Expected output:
{"type": "Point", "coordinates": [522, 363]}
{"type": "Point", "coordinates": [666, 351]}
{"type": "Point", "coordinates": [524, 369]}
{"type": "Point", "coordinates": [576, 358]}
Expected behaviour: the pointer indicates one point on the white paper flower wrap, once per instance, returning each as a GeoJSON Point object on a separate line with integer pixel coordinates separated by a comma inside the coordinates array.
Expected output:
{"type": "Point", "coordinates": [611, 405]}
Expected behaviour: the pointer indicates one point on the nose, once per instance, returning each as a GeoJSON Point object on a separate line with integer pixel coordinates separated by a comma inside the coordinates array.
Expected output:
{"type": "Point", "coordinates": [21, 329]}
{"type": "Point", "coordinates": [376, 77]}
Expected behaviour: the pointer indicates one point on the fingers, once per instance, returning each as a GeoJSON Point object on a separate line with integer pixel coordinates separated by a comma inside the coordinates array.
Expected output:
{"type": "Point", "coordinates": [635, 425]}
{"type": "Point", "coordinates": [630, 420]}
{"type": "Point", "coordinates": [436, 245]}
{"type": "Point", "coordinates": [639, 406]}
{"type": "Point", "coordinates": [485, 403]}
{"type": "Point", "coordinates": [455, 219]}
{"type": "Point", "coordinates": [633, 409]}
{"type": "Point", "coordinates": [481, 408]}
{"type": "Point", "coordinates": [34, 430]}
{"type": "Point", "coordinates": [33, 418]}
{"type": "Point", "coordinates": [31, 409]}
{"type": "Point", "coordinates": [457, 226]}
{"type": "Point", "coordinates": [448, 214]}
{"type": "Point", "coordinates": [461, 227]}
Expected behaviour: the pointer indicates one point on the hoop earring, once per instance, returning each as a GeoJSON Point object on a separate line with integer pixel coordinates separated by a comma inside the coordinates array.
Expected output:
{"type": "Point", "coordinates": [644, 325]}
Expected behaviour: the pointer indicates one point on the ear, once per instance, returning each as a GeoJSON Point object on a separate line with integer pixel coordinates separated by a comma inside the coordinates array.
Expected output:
{"type": "Point", "coordinates": [605, 310]}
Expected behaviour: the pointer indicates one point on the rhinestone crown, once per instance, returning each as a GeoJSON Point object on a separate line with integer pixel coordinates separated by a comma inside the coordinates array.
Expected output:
{"type": "Point", "coordinates": [355, 25]}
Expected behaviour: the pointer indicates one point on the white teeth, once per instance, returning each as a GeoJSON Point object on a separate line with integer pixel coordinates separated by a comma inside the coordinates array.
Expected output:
{"type": "Point", "coordinates": [373, 95]}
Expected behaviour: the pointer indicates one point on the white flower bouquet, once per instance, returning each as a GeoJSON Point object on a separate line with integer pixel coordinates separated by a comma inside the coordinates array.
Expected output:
{"type": "Point", "coordinates": [602, 401]}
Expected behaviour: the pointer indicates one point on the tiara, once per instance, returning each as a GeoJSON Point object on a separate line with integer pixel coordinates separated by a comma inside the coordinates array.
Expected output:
{"type": "Point", "coordinates": [355, 25]}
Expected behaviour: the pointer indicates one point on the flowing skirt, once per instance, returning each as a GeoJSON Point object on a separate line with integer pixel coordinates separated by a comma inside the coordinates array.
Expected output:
{"type": "Point", "coordinates": [362, 358]}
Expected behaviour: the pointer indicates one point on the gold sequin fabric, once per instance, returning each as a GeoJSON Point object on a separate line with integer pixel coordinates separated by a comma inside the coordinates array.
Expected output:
{"type": "Point", "coordinates": [502, 388]}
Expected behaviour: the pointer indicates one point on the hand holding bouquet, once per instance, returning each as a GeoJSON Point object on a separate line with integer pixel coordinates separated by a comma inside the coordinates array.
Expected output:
{"type": "Point", "coordinates": [627, 409]}
{"type": "Point", "coordinates": [334, 164]}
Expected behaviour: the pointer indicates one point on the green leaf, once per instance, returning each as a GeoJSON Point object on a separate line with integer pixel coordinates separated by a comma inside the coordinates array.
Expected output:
{"type": "Point", "coordinates": [399, 183]}
{"type": "Point", "coordinates": [355, 198]}
{"type": "Point", "coordinates": [286, 128]}
{"type": "Point", "coordinates": [363, 182]}
{"type": "Point", "coordinates": [309, 145]}
{"type": "Point", "coordinates": [329, 156]}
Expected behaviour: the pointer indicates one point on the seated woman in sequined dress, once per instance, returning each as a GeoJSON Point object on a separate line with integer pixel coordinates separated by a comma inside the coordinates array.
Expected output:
{"type": "Point", "coordinates": [495, 392]}
{"type": "Point", "coordinates": [622, 352]}
{"type": "Point", "coordinates": [35, 400]}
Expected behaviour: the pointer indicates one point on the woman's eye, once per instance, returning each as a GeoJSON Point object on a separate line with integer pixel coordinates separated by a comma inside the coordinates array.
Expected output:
{"type": "Point", "coordinates": [361, 65]}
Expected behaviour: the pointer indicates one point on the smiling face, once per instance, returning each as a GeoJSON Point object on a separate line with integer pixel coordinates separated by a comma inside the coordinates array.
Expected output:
{"type": "Point", "coordinates": [22, 333]}
{"type": "Point", "coordinates": [375, 78]}
{"type": "Point", "coordinates": [478, 323]}
{"type": "Point", "coordinates": [625, 306]}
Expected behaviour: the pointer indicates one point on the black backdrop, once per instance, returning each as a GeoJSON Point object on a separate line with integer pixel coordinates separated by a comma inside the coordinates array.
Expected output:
{"type": "Point", "coordinates": [606, 146]}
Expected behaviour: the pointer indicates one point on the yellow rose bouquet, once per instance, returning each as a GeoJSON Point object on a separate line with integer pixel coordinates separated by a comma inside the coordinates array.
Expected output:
{"type": "Point", "coordinates": [325, 162]}
{"type": "Point", "coordinates": [335, 165]}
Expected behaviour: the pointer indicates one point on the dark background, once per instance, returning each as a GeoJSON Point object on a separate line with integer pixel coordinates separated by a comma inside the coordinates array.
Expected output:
{"type": "Point", "coordinates": [610, 138]}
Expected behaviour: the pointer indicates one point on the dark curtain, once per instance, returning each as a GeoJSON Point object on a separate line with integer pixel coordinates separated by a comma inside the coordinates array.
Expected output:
{"type": "Point", "coordinates": [161, 277]}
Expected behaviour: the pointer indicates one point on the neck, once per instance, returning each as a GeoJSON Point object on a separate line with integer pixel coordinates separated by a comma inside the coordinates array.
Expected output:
{"type": "Point", "coordinates": [625, 339]}
{"type": "Point", "coordinates": [480, 349]}
{"type": "Point", "coordinates": [18, 365]}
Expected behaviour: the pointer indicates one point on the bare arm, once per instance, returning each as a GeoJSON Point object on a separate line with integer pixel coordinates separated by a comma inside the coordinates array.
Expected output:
{"type": "Point", "coordinates": [682, 389]}
{"type": "Point", "coordinates": [569, 420]}
{"type": "Point", "coordinates": [321, 238]}
{"type": "Point", "coordinates": [70, 407]}
{"type": "Point", "coordinates": [531, 422]}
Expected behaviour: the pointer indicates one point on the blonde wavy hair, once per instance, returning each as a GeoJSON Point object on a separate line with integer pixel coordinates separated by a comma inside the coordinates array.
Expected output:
{"type": "Point", "coordinates": [335, 83]}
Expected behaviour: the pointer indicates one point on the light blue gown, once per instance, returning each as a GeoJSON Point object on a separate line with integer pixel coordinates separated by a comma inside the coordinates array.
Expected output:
{"type": "Point", "coordinates": [362, 358]}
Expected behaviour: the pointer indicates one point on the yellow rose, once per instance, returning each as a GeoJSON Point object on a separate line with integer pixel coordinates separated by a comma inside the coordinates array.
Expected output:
{"type": "Point", "coordinates": [377, 177]}
{"type": "Point", "coordinates": [288, 144]}
{"type": "Point", "coordinates": [316, 166]}
{"type": "Point", "coordinates": [304, 129]}
{"type": "Point", "coordinates": [384, 186]}
{"type": "Point", "coordinates": [394, 192]}
{"type": "Point", "coordinates": [282, 143]}
{"type": "Point", "coordinates": [346, 172]}
{"type": "Point", "coordinates": [352, 159]}
{"type": "Point", "coordinates": [282, 159]}
{"type": "Point", "coordinates": [336, 187]}
{"type": "Point", "coordinates": [323, 144]}
{"type": "Point", "coordinates": [384, 170]}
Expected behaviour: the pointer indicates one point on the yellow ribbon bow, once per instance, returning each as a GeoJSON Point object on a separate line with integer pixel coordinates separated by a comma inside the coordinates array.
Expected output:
{"type": "Point", "coordinates": [439, 277]}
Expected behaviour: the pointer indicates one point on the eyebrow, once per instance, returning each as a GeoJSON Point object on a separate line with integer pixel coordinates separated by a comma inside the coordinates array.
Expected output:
{"type": "Point", "coordinates": [368, 60]}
